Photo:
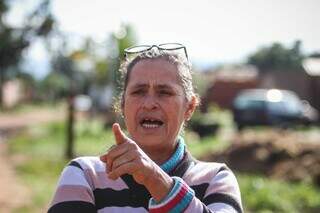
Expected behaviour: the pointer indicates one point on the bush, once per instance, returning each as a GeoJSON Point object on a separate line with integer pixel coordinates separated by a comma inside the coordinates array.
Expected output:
{"type": "Point", "coordinates": [203, 124]}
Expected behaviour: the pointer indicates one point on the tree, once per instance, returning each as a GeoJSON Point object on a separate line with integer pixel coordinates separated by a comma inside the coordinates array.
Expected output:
{"type": "Point", "coordinates": [278, 58]}
{"type": "Point", "coordinates": [120, 40]}
{"type": "Point", "coordinates": [78, 69]}
{"type": "Point", "coordinates": [63, 66]}
{"type": "Point", "coordinates": [53, 87]}
{"type": "Point", "coordinates": [315, 55]}
{"type": "Point", "coordinates": [14, 40]}
{"type": "Point", "coordinates": [85, 66]}
{"type": "Point", "coordinates": [92, 63]}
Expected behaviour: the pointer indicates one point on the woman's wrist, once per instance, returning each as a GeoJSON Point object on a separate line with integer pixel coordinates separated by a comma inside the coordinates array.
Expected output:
{"type": "Point", "coordinates": [159, 185]}
{"type": "Point", "coordinates": [177, 200]}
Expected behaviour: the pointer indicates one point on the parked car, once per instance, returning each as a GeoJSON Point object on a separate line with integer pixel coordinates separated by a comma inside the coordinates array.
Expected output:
{"type": "Point", "coordinates": [271, 107]}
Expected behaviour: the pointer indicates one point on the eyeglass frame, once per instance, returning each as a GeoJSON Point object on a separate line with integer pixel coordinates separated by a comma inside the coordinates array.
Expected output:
{"type": "Point", "coordinates": [149, 47]}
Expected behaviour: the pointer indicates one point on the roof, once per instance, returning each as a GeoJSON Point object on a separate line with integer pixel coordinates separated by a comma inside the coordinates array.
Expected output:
{"type": "Point", "coordinates": [239, 73]}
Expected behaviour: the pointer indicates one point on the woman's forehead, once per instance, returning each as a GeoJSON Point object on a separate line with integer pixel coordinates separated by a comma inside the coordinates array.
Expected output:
{"type": "Point", "coordinates": [155, 63]}
{"type": "Point", "coordinates": [155, 70]}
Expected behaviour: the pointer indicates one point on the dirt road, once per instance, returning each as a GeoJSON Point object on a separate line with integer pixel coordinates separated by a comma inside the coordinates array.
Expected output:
{"type": "Point", "coordinates": [13, 192]}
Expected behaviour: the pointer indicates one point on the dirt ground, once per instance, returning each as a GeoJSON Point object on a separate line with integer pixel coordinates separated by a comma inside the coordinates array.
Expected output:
{"type": "Point", "coordinates": [285, 154]}
{"type": "Point", "coordinates": [15, 194]}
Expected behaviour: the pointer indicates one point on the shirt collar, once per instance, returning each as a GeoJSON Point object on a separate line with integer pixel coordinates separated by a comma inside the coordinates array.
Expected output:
{"type": "Point", "coordinates": [175, 159]}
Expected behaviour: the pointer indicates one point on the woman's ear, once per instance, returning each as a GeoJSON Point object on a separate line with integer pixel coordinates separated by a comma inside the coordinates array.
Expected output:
{"type": "Point", "coordinates": [192, 105]}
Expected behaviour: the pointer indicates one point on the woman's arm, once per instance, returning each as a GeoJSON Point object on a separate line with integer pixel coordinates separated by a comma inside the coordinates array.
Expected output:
{"type": "Point", "coordinates": [222, 195]}
{"type": "Point", "coordinates": [168, 194]}
{"type": "Point", "coordinates": [73, 193]}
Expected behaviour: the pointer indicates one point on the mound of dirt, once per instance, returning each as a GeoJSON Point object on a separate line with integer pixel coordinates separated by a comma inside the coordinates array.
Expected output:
{"type": "Point", "coordinates": [284, 154]}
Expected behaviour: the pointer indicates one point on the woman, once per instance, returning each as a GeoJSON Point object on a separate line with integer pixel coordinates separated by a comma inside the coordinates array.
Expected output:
{"type": "Point", "coordinates": [150, 169]}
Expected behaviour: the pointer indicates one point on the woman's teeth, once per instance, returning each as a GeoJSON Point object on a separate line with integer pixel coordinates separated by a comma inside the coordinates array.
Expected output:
{"type": "Point", "coordinates": [151, 123]}
{"type": "Point", "coordinates": [145, 125]}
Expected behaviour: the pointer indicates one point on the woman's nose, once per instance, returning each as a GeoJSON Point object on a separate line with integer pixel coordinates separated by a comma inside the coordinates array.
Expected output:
{"type": "Point", "coordinates": [150, 102]}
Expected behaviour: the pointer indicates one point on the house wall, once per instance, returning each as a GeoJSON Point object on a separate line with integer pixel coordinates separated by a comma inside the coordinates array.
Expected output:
{"type": "Point", "coordinates": [222, 92]}
{"type": "Point", "coordinates": [12, 93]}
{"type": "Point", "coordinates": [299, 82]}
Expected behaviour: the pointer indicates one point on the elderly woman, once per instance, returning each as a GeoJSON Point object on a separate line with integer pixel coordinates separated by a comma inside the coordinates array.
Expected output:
{"type": "Point", "coordinates": [149, 169]}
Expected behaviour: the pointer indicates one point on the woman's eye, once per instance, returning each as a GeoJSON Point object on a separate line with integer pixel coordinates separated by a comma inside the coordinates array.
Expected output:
{"type": "Point", "coordinates": [137, 92]}
{"type": "Point", "coordinates": [165, 93]}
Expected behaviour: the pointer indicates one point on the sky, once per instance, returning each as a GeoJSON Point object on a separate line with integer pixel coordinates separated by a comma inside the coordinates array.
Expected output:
{"type": "Point", "coordinates": [214, 32]}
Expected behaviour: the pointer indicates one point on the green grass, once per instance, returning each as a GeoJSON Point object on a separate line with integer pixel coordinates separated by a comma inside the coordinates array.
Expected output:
{"type": "Point", "coordinates": [260, 194]}
{"type": "Point", "coordinates": [42, 150]}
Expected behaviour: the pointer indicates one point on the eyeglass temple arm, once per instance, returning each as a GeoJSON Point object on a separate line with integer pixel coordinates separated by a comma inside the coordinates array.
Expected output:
{"type": "Point", "coordinates": [185, 51]}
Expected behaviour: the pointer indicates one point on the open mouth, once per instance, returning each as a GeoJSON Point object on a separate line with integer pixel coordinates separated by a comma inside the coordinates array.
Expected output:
{"type": "Point", "coordinates": [151, 123]}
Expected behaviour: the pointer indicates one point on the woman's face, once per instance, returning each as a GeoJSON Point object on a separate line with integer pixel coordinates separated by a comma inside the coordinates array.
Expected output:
{"type": "Point", "coordinates": [155, 105]}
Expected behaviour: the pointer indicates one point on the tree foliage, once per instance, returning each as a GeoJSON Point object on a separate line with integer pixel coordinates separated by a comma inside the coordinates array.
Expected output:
{"type": "Point", "coordinates": [277, 57]}
{"type": "Point", "coordinates": [77, 69]}
{"type": "Point", "coordinates": [120, 40]}
{"type": "Point", "coordinates": [14, 40]}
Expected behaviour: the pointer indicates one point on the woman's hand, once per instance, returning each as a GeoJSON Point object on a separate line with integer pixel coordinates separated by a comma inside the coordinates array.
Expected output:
{"type": "Point", "coordinates": [126, 157]}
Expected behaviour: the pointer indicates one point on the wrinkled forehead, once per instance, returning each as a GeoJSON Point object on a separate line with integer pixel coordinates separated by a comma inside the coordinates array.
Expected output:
{"type": "Point", "coordinates": [156, 70]}
{"type": "Point", "coordinates": [164, 61]}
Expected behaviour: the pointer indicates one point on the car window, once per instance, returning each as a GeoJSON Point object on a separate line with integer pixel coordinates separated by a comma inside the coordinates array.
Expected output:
{"type": "Point", "coordinates": [289, 106]}
{"type": "Point", "coordinates": [277, 107]}
{"type": "Point", "coordinates": [245, 103]}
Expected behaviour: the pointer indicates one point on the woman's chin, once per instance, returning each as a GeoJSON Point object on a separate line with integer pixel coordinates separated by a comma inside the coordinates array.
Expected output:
{"type": "Point", "coordinates": [150, 137]}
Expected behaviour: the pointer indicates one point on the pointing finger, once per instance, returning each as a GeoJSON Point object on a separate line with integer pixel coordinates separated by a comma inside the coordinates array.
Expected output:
{"type": "Point", "coordinates": [118, 134]}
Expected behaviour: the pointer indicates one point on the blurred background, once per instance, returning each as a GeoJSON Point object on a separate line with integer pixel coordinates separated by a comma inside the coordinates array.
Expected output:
{"type": "Point", "coordinates": [256, 67]}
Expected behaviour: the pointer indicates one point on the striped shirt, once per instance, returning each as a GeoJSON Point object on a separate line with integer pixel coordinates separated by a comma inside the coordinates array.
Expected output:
{"type": "Point", "coordinates": [199, 187]}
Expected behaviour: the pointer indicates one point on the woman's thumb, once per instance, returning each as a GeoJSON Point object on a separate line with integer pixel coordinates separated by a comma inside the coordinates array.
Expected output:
{"type": "Point", "coordinates": [118, 134]}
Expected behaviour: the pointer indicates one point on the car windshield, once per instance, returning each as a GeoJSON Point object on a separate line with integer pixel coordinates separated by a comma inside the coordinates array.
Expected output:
{"type": "Point", "coordinates": [290, 104]}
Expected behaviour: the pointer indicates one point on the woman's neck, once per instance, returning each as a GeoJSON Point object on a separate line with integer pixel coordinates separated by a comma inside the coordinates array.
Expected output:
{"type": "Point", "coordinates": [160, 155]}
{"type": "Point", "coordinates": [168, 161]}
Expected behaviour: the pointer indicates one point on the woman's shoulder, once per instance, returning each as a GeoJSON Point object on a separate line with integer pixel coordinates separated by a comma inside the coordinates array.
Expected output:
{"type": "Point", "coordinates": [211, 167]}
{"type": "Point", "coordinates": [88, 163]}
{"type": "Point", "coordinates": [202, 170]}
{"type": "Point", "coordinates": [85, 171]}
